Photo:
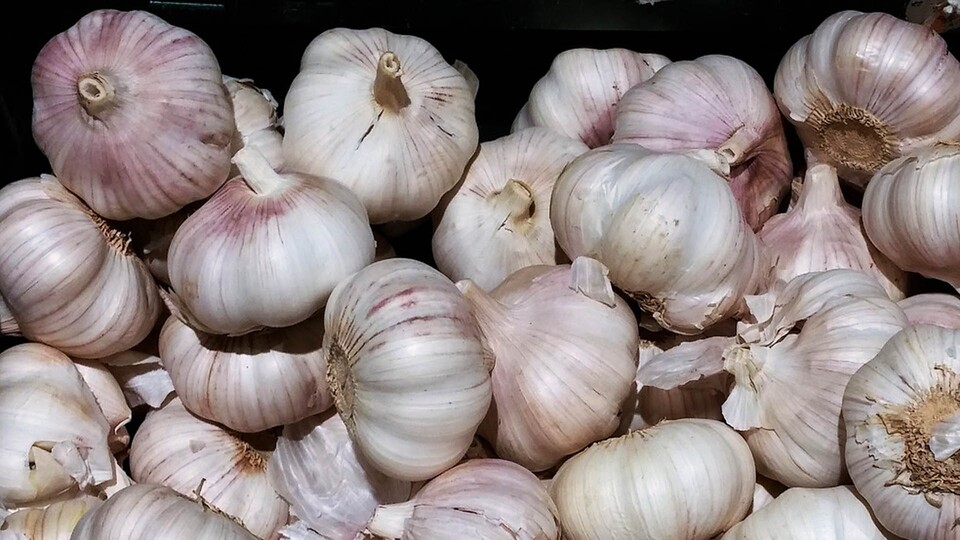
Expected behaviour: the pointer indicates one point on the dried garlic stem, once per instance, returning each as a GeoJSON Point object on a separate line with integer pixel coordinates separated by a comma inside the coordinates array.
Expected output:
{"type": "Point", "coordinates": [516, 200]}
{"type": "Point", "coordinates": [484, 307]}
{"type": "Point", "coordinates": [733, 150]}
{"type": "Point", "coordinates": [821, 189]}
{"type": "Point", "coordinates": [389, 520]}
{"type": "Point", "coordinates": [96, 92]}
{"type": "Point", "coordinates": [388, 89]}
{"type": "Point", "coordinates": [257, 171]}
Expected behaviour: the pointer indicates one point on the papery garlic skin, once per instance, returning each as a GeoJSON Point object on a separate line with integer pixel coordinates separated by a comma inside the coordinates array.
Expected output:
{"type": "Point", "coordinates": [578, 96]}
{"type": "Point", "coordinates": [384, 114]}
{"type": "Point", "coordinates": [106, 390]}
{"type": "Point", "coordinates": [143, 380]}
{"type": "Point", "coordinates": [866, 88]}
{"type": "Point", "coordinates": [132, 114]}
{"type": "Point", "coordinates": [8, 325]}
{"type": "Point", "coordinates": [68, 279]}
{"type": "Point", "coordinates": [255, 115]}
{"type": "Point", "coordinates": [688, 478]}
{"type": "Point", "coordinates": [405, 367]}
{"type": "Point", "coordinates": [54, 522]}
{"type": "Point", "coordinates": [497, 220]}
{"type": "Point", "coordinates": [721, 104]}
{"type": "Point", "coordinates": [932, 308]}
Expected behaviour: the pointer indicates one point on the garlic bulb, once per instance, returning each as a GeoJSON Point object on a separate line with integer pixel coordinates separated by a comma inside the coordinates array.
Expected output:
{"type": "Point", "coordinates": [578, 97]}
{"type": "Point", "coordinates": [385, 115]}
{"type": "Point", "coordinates": [866, 88]}
{"type": "Point", "coordinates": [143, 380]}
{"type": "Point", "coordinates": [158, 513]}
{"type": "Point", "coordinates": [68, 279]}
{"type": "Point", "coordinates": [481, 498]}
{"type": "Point", "coordinates": [405, 367]}
{"type": "Point", "coordinates": [330, 488]}
{"type": "Point", "coordinates": [53, 436]}
{"type": "Point", "coordinates": [823, 232]}
{"type": "Point", "coordinates": [668, 228]}
{"type": "Point", "coordinates": [565, 352]}
{"type": "Point", "coordinates": [835, 513]}
{"type": "Point", "coordinates": [106, 390]}
{"type": "Point", "coordinates": [719, 104]}
{"type": "Point", "coordinates": [497, 220]}
{"type": "Point", "coordinates": [932, 308]}
{"type": "Point", "coordinates": [909, 213]}
{"type": "Point", "coordinates": [54, 522]}
{"type": "Point", "coordinates": [267, 249]}
{"type": "Point", "coordinates": [252, 382]}
{"type": "Point", "coordinates": [255, 115]}
{"type": "Point", "coordinates": [679, 479]}
{"type": "Point", "coordinates": [132, 114]}
{"type": "Point", "coordinates": [174, 448]}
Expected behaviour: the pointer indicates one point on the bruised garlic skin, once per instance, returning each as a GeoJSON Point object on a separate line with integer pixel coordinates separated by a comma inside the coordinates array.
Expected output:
{"type": "Point", "coordinates": [823, 232]}
{"type": "Point", "coordinates": [497, 220]}
{"type": "Point", "coordinates": [132, 114]}
{"type": "Point", "coordinates": [866, 88]}
{"type": "Point", "coordinates": [385, 115]}
{"type": "Point", "coordinates": [255, 115]}
{"type": "Point", "coordinates": [578, 97]}
{"type": "Point", "coordinates": [720, 104]}
{"type": "Point", "coordinates": [106, 390]}
{"type": "Point", "coordinates": [143, 380]}
{"type": "Point", "coordinates": [405, 367]}
{"type": "Point", "coordinates": [69, 279]}
{"type": "Point", "coordinates": [248, 383]}
{"type": "Point", "coordinates": [932, 308]}
{"type": "Point", "coordinates": [178, 450]}
{"type": "Point", "coordinates": [54, 522]}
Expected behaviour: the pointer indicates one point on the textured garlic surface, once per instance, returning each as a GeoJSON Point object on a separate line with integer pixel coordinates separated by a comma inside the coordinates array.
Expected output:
{"type": "Point", "coordinates": [937, 309]}
{"type": "Point", "coordinates": [53, 522]}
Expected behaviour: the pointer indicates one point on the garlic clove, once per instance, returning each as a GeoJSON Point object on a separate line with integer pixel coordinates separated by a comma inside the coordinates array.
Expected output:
{"type": "Point", "coordinates": [106, 390]}
{"type": "Point", "coordinates": [255, 115]}
{"type": "Point", "coordinates": [932, 308]}
{"type": "Point", "coordinates": [143, 380]}
{"type": "Point", "coordinates": [53, 522]}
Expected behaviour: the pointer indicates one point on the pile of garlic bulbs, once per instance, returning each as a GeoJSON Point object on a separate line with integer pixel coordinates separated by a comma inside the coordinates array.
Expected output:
{"type": "Point", "coordinates": [643, 317]}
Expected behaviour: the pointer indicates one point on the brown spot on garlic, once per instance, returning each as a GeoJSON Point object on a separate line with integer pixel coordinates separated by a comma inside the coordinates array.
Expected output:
{"type": "Point", "coordinates": [341, 383]}
{"type": "Point", "coordinates": [853, 137]}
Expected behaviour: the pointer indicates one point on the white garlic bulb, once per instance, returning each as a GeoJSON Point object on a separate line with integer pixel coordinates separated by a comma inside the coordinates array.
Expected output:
{"type": "Point", "coordinates": [69, 279]}
{"type": "Point", "coordinates": [178, 450]}
{"type": "Point", "coordinates": [143, 380]}
{"type": "Point", "coordinates": [267, 249]}
{"type": "Point", "coordinates": [668, 228]}
{"type": "Point", "coordinates": [823, 232]}
{"type": "Point", "coordinates": [865, 88]}
{"type": "Point", "coordinates": [932, 308]}
{"type": "Point", "coordinates": [578, 97]}
{"type": "Point", "coordinates": [491, 499]}
{"type": "Point", "coordinates": [53, 522]}
{"type": "Point", "coordinates": [497, 220]}
{"type": "Point", "coordinates": [132, 114]}
{"type": "Point", "coordinates": [106, 390]}
{"type": "Point", "coordinates": [385, 115]}
{"type": "Point", "coordinates": [565, 353]}
{"type": "Point", "coordinates": [405, 367]}
{"type": "Point", "coordinates": [255, 115]}
{"type": "Point", "coordinates": [895, 408]}
{"type": "Point", "coordinates": [719, 104]}
{"type": "Point", "coordinates": [689, 478]}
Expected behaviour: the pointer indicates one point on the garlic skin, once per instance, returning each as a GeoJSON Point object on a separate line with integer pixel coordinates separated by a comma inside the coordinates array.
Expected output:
{"type": "Point", "coordinates": [267, 249]}
{"type": "Point", "coordinates": [174, 448]}
{"type": "Point", "coordinates": [866, 88]}
{"type": "Point", "coordinates": [143, 380]}
{"type": "Point", "coordinates": [67, 278]}
{"type": "Point", "coordinates": [892, 407]}
{"type": "Point", "coordinates": [482, 498]}
{"type": "Point", "coordinates": [565, 353]}
{"type": "Point", "coordinates": [932, 308]}
{"type": "Point", "coordinates": [255, 115]}
{"type": "Point", "coordinates": [909, 213]}
{"type": "Point", "coordinates": [248, 383]}
{"type": "Point", "coordinates": [766, 491]}
{"type": "Point", "coordinates": [132, 114]}
{"type": "Point", "coordinates": [719, 104]}
{"type": "Point", "coordinates": [54, 522]}
{"type": "Point", "coordinates": [405, 367]}
{"type": "Point", "coordinates": [159, 513]}
{"type": "Point", "coordinates": [579, 95]}
{"type": "Point", "coordinates": [53, 435]}
{"type": "Point", "coordinates": [688, 478]}
{"type": "Point", "coordinates": [8, 325]}
{"type": "Point", "coordinates": [497, 220]}
{"type": "Point", "coordinates": [106, 390]}
{"type": "Point", "coordinates": [384, 114]}
{"type": "Point", "coordinates": [823, 232]}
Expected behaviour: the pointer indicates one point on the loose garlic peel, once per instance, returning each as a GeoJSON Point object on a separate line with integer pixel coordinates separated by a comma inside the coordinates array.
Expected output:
{"type": "Point", "coordinates": [53, 522]}
{"type": "Point", "coordinates": [143, 380]}
{"type": "Point", "coordinates": [497, 220]}
{"type": "Point", "coordinates": [689, 478]}
{"type": "Point", "coordinates": [255, 115]}
{"type": "Point", "coordinates": [932, 308]}
{"type": "Point", "coordinates": [405, 367]}
{"type": "Point", "coordinates": [68, 279]}
{"type": "Point", "coordinates": [178, 450]}
{"type": "Point", "coordinates": [106, 390]}
{"type": "Point", "coordinates": [720, 104]}
{"type": "Point", "coordinates": [866, 88]}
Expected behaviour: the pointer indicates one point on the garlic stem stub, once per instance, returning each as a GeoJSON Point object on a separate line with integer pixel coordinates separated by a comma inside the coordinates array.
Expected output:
{"type": "Point", "coordinates": [255, 115]}
{"type": "Point", "coordinates": [53, 522]}
{"type": "Point", "coordinates": [932, 308]}
{"type": "Point", "coordinates": [132, 114]}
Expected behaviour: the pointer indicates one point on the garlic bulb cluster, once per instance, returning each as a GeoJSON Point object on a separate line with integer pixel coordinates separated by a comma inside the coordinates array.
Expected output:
{"type": "Point", "coordinates": [901, 412]}
{"type": "Point", "coordinates": [578, 97]}
{"type": "Point", "coordinates": [932, 308]}
{"type": "Point", "coordinates": [719, 104]}
{"type": "Point", "coordinates": [385, 115]}
{"type": "Point", "coordinates": [667, 226]}
{"type": "Point", "coordinates": [53, 522]}
{"type": "Point", "coordinates": [497, 220]}
{"type": "Point", "coordinates": [866, 88]}
{"type": "Point", "coordinates": [68, 279]}
{"type": "Point", "coordinates": [132, 114]}
{"type": "Point", "coordinates": [255, 115]}
{"type": "Point", "coordinates": [267, 249]}
{"type": "Point", "coordinates": [481, 498]}
{"type": "Point", "coordinates": [143, 380]}
{"type": "Point", "coordinates": [109, 396]}
{"type": "Point", "coordinates": [689, 478]}
{"type": "Point", "coordinates": [564, 347]}
{"type": "Point", "coordinates": [405, 366]}
{"type": "Point", "coordinates": [823, 232]}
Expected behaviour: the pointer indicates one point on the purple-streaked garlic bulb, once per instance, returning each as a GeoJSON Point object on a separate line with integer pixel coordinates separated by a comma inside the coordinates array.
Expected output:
{"type": "Point", "coordinates": [932, 308]}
